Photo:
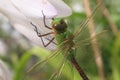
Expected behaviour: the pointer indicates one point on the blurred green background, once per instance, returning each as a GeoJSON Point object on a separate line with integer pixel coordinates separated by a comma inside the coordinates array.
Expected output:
{"type": "Point", "coordinates": [20, 54]}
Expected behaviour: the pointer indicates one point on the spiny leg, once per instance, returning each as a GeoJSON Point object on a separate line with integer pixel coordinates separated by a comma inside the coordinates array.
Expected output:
{"type": "Point", "coordinates": [45, 45]}
{"type": "Point", "coordinates": [45, 22]}
{"type": "Point", "coordinates": [39, 35]}
{"type": "Point", "coordinates": [45, 34]}
{"type": "Point", "coordinates": [52, 41]}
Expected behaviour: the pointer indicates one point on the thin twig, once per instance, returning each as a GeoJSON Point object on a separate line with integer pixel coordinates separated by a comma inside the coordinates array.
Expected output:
{"type": "Point", "coordinates": [96, 49]}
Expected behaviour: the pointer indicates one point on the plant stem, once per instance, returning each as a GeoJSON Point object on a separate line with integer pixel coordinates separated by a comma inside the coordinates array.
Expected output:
{"type": "Point", "coordinates": [106, 13]}
{"type": "Point", "coordinates": [79, 69]}
{"type": "Point", "coordinates": [95, 44]}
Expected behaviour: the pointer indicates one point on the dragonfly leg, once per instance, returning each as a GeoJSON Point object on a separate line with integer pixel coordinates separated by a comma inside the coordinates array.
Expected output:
{"type": "Point", "coordinates": [39, 35]}
{"type": "Point", "coordinates": [45, 34]}
{"type": "Point", "coordinates": [45, 45]}
{"type": "Point", "coordinates": [45, 22]}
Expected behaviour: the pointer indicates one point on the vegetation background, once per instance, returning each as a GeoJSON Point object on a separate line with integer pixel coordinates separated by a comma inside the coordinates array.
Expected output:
{"type": "Point", "coordinates": [99, 60]}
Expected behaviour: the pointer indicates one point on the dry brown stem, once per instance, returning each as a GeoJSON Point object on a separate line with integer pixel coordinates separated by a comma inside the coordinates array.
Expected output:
{"type": "Point", "coordinates": [96, 49]}
{"type": "Point", "coordinates": [107, 15]}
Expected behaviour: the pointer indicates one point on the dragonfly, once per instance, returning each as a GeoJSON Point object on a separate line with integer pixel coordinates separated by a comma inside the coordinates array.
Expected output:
{"type": "Point", "coordinates": [65, 40]}
{"type": "Point", "coordinates": [67, 43]}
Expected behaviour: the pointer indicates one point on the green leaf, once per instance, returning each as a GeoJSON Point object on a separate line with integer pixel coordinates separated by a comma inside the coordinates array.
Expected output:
{"type": "Point", "coordinates": [21, 66]}
{"type": "Point", "coordinates": [115, 58]}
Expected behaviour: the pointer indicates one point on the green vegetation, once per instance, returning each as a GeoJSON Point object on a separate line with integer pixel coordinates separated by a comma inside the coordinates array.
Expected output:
{"type": "Point", "coordinates": [21, 59]}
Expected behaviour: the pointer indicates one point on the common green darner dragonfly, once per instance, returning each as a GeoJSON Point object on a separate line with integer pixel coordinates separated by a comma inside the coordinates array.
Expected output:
{"type": "Point", "coordinates": [67, 45]}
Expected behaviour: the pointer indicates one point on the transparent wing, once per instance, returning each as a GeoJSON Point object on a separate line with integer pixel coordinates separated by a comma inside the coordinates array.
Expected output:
{"type": "Point", "coordinates": [84, 54]}
{"type": "Point", "coordinates": [57, 73]}
{"type": "Point", "coordinates": [63, 69]}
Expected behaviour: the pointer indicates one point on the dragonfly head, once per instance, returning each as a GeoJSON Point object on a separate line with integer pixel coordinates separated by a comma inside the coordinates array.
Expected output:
{"type": "Point", "coordinates": [59, 26]}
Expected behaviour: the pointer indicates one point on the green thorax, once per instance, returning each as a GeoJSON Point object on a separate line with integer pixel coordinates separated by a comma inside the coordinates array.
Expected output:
{"type": "Point", "coordinates": [63, 36]}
